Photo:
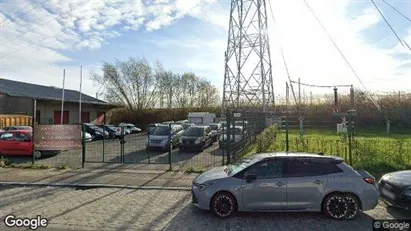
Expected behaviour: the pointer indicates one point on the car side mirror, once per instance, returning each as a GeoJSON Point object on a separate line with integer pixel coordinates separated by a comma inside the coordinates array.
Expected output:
{"type": "Point", "coordinates": [250, 177]}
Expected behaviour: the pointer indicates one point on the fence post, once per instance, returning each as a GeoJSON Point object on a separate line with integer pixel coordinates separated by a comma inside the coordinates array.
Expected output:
{"type": "Point", "coordinates": [171, 146]}
{"type": "Point", "coordinates": [104, 139]}
{"type": "Point", "coordinates": [83, 147]}
{"type": "Point", "coordinates": [148, 146]}
{"type": "Point", "coordinates": [222, 148]}
{"type": "Point", "coordinates": [227, 140]}
{"type": "Point", "coordinates": [122, 142]}
{"type": "Point", "coordinates": [33, 122]}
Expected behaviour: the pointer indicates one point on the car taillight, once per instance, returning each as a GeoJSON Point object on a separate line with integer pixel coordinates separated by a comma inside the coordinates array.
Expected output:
{"type": "Point", "coordinates": [369, 180]}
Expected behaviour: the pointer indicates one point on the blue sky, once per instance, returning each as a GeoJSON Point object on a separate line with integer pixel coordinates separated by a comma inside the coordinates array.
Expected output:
{"type": "Point", "coordinates": [191, 35]}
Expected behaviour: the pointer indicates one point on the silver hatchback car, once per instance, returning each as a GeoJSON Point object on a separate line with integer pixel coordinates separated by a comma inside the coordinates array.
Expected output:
{"type": "Point", "coordinates": [291, 182]}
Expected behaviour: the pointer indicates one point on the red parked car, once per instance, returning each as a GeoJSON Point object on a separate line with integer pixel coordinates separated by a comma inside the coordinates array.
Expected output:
{"type": "Point", "coordinates": [17, 143]}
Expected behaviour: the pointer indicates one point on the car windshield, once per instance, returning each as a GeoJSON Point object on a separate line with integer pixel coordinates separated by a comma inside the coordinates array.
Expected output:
{"type": "Point", "coordinates": [235, 168]}
{"type": "Point", "coordinates": [112, 128]}
{"type": "Point", "coordinates": [194, 131]}
{"type": "Point", "coordinates": [161, 131]}
{"type": "Point", "coordinates": [94, 127]}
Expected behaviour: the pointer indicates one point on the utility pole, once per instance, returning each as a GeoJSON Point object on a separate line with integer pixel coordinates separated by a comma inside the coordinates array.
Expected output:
{"type": "Point", "coordinates": [62, 98]}
{"type": "Point", "coordinates": [299, 92]}
{"type": "Point", "coordinates": [81, 81]}
{"type": "Point", "coordinates": [287, 95]}
{"type": "Point", "coordinates": [311, 98]}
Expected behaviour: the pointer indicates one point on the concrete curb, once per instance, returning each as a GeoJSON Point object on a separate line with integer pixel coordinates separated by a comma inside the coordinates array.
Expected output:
{"type": "Point", "coordinates": [90, 186]}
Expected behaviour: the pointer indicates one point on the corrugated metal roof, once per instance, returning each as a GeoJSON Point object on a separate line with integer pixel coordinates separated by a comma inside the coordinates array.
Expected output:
{"type": "Point", "coordinates": [34, 91]}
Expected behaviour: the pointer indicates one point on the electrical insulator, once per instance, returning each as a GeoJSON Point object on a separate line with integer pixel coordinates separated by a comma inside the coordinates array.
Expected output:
{"type": "Point", "coordinates": [335, 97]}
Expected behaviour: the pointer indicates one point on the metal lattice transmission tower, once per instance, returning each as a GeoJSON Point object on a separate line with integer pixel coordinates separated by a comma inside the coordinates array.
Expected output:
{"type": "Point", "coordinates": [248, 81]}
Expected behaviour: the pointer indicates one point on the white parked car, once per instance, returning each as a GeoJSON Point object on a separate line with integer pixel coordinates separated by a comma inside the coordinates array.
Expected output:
{"type": "Point", "coordinates": [87, 136]}
{"type": "Point", "coordinates": [129, 128]}
{"type": "Point", "coordinates": [236, 136]}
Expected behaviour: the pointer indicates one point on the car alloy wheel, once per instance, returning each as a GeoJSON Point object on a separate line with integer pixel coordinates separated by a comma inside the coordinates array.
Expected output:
{"type": "Point", "coordinates": [223, 205]}
{"type": "Point", "coordinates": [352, 207]}
{"type": "Point", "coordinates": [37, 154]}
{"type": "Point", "coordinates": [336, 206]}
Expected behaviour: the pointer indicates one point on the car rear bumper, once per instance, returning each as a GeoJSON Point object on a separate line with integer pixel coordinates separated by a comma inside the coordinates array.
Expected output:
{"type": "Point", "coordinates": [184, 146]}
{"type": "Point", "coordinates": [157, 146]}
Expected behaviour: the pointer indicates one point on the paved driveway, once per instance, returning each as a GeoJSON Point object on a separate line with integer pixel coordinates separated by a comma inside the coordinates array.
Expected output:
{"type": "Point", "coordinates": [121, 209]}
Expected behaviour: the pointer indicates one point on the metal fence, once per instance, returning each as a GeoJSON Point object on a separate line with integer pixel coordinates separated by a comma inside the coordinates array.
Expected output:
{"type": "Point", "coordinates": [132, 149]}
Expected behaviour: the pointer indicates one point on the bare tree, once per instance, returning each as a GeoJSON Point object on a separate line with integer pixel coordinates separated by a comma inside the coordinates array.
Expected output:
{"type": "Point", "coordinates": [130, 83]}
{"type": "Point", "coordinates": [135, 84]}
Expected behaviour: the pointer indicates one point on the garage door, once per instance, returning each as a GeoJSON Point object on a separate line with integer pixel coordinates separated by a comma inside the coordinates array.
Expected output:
{"type": "Point", "coordinates": [57, 117]}
{"type": "Point", "coordinates": [85, 117]}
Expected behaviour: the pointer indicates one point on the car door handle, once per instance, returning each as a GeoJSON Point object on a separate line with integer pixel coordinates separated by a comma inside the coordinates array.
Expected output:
{"type": "Point", "coordinates": [318, 182]}
{"type": "Point", "coordinates": [280, 183]}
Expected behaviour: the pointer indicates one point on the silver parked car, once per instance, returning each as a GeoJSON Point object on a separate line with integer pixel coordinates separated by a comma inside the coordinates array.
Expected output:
{"type": "Point", "coordinates": [159, 138]}
{"type": "Point", "coordinates": [291, 182]}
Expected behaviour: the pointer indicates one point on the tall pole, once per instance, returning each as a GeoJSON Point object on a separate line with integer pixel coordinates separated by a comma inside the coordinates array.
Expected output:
{"type": "Point", "coordinates": [287, 95]}
{"type": "Point", "coordinates": [311, 97]}
{"type": "Point", "coordinates": [62, 97]}
{"type": "Point", "coordinates": [352, 97]}
{"type": "Point", "coordinates": [299, 106]}
{"type": "Point", "coordinates": [299, 92]}
{"type": "Point", "coordinates": [81, 81]}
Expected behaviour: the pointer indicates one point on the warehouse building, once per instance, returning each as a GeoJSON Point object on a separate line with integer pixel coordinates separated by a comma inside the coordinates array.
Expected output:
{"type": "Point", "coordinates": [17, 98]}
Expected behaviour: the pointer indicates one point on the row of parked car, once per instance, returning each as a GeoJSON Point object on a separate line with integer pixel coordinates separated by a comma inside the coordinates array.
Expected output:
{"type": "Point", "coordinates": [95, 132]}
{"type": "Point", "coordinates": [18, 140]}
{"type": "Point", "coordinates": [188, 136]}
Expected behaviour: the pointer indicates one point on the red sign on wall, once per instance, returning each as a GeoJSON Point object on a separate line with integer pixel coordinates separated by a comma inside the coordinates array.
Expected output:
{"type": "Point", "coordinates": [57, 137]}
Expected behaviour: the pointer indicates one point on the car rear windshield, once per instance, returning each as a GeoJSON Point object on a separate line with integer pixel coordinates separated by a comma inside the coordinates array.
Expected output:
{"type": "Point", "coordinates": [194, 131]}
{"type": "Point", "coordinates": [161, 131]}
{"type": "Point", "coordinates": [214, 127]}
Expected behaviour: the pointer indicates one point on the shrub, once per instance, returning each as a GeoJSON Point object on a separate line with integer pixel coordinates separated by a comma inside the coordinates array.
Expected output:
{"type": "Point", "coordinates": [267, 138]}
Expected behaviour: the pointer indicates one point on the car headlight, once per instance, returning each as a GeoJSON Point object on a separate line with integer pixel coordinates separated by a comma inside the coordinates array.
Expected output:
{"type": "Point", "coordinates": [204, 186]}
{"type": "Point", "coordinates": [407, 193]}
{"type": "Point", "coordinates": [198, 140]}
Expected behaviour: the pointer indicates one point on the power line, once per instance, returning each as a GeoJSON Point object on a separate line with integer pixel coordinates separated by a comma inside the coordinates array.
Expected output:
{"type": "Point", "coordinates": [58, 16]}
{"type": "Point", "coordinates": [345, 59]}
{"type": "Point", "coordinates": [284, 60]}
{"type": "Point", "coordinates": [396, 10]}
{"type": "Point", "coordinates": [31, 2]}
{"type": "Point", "coordinates": [389, 25]}
{"type": "Point", "coordinates": [321, 86]}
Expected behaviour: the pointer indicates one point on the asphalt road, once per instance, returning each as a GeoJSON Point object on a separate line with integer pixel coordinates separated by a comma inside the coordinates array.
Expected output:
{"type": "Point", "coordinates": [124, 209]}
{"type": "Point", "coordinates": [109, 151]}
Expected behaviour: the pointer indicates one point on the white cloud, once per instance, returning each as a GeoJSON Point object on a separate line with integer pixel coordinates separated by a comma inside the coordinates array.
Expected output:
{"type": "Point", "coordinates": [31, 41]}
{"type": "Point", "coordinates": [81, 25]}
